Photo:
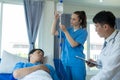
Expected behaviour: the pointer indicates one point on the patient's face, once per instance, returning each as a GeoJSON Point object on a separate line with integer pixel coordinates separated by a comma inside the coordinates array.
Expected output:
{"type": "Point", "coordinates": [37, 56]}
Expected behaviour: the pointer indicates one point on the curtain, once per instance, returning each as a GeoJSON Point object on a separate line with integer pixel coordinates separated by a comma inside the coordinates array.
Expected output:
{"type": "Point", "coordinates": [33, 12]}
{"type": "Point", "coordinates": [117, 23]}
{"type": "Point", "coordinates": [65, 20]}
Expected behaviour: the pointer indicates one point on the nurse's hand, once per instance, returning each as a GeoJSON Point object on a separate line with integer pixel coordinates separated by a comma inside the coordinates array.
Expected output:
{"type": "Point", "coordinates": [63, 28]}
{"type": "Point", "coordinates": [56, 15]}
{"type": "Point", "coordinates": [91, 63]}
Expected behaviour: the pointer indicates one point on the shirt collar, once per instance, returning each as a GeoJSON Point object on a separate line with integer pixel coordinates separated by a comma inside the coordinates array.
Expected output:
{"type": "Point", "coordinates": [77, 29]}
{"type": "Point", "coordinates": [38, 63]}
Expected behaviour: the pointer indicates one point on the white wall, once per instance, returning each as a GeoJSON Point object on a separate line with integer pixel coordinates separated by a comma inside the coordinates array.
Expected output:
{"type": "Point", "coordinates": [90, 11]}
{"type": "Point", "coordinates": [46, 42]}
{"type": "Point", "coordinates": [0, 27]}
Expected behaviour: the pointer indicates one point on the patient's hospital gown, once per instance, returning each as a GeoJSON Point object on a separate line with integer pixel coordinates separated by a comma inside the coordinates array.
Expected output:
{"type": "Point", "coordinates": [51, 76]}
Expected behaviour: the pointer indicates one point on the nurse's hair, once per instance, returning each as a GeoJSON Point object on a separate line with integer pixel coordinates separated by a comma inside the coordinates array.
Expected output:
{"type": "Point", "coordinates": [82, 17]}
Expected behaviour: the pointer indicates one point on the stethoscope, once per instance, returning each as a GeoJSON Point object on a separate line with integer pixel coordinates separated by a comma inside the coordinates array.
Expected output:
{"type": "Point", "coordinates": [113, 39]}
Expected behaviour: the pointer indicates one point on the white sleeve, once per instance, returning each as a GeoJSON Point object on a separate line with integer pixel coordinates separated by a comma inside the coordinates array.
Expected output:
{"type": "Point", "coordinates": [111, 66]}
{"type": "Point", "coordinates": [107, 74]}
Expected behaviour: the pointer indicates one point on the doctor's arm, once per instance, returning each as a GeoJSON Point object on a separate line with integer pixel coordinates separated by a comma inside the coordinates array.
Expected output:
{"type": "Point", "coordinates": [110, 68]}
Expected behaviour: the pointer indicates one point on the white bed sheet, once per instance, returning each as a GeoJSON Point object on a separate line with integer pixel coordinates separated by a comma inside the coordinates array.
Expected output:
{"type": "Point", "coordinates": [38, 75]}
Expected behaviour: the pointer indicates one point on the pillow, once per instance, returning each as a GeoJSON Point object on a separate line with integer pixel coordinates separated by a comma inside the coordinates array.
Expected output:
{"type": "Point", "coordinates": [8, 62]}
{"type": "Point", "coordinates": [45, 59]}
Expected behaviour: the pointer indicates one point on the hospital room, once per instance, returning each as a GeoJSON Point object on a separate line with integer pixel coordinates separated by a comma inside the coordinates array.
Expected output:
{"type": "Point", "coordinates": [75, 39]}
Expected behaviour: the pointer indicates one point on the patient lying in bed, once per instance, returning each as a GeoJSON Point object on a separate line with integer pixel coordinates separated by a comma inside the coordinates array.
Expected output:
{"type": "Point", "coordinates": [34, 69]}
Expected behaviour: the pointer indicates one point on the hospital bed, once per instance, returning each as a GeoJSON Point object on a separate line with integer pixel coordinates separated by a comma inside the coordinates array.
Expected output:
{"type": "Point", "coordinates": [9, 60]}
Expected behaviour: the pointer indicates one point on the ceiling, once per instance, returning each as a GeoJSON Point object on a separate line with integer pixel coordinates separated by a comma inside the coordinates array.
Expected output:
{"type": "Point", "coordinates": [94, 3]}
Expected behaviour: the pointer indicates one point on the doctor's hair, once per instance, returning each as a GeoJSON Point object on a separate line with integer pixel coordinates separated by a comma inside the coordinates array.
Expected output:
{"type": "Point", "coordinates": [82, 17]}
{"type": "Point", "coordinates": [105, 17]}
{"type": "Point", "coordinates": [32, 51]}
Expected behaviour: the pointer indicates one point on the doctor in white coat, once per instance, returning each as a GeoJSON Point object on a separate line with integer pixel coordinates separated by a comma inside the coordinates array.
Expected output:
{"type": "Point", "coordinates": [109, 58]}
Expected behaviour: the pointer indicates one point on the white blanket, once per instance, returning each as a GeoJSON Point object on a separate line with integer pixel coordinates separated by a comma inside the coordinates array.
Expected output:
{"type": "Point", "coordinates": [38, 75]}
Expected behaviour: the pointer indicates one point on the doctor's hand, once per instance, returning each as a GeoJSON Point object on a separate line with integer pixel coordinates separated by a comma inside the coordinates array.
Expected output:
{"type": "Point", "coordinates": [91, 62]}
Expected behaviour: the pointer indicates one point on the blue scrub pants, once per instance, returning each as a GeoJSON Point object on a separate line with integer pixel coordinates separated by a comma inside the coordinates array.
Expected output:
{"type": "Point", "coordinates": [76, 73]}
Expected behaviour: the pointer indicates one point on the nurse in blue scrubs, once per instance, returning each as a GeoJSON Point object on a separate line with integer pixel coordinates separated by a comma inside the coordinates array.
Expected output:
{"type": "Point", "coordinates": [74, 38]}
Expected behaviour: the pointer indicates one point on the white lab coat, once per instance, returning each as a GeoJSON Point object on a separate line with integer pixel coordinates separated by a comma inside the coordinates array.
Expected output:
{"type": "Point", "coordinates": [110, 59]}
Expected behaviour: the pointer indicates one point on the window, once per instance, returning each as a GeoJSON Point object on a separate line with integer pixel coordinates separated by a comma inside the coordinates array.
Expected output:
{"type": "Point", "coordinates": [96, 43]}
{"type": "Point", "coordinates": [14, 31]}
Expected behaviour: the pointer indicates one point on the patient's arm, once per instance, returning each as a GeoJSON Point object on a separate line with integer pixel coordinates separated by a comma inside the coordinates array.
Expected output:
{"type": "Point", "coordinates": [22, 72]}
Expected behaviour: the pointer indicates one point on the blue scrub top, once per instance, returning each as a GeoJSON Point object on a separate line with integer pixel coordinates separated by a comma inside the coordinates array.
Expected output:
{"type": "Point", "coordinates": [68, 53]}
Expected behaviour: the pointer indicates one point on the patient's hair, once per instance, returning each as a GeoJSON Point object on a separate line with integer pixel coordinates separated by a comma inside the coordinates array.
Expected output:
{"type": "Point", "coordinates": [32, 51]}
